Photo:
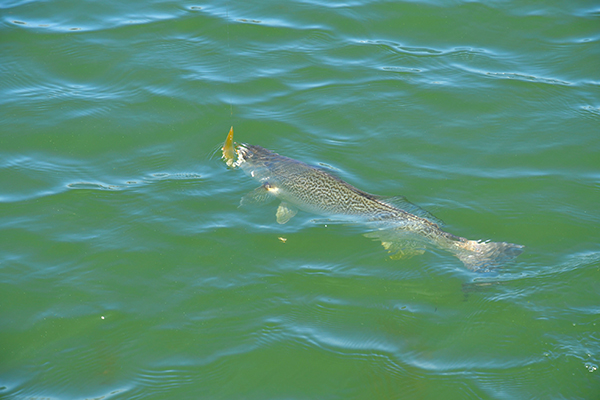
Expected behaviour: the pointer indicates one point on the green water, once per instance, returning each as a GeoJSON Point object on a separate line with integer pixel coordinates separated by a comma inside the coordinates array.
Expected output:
{"type": "Point", "coordinates": [127, 270]}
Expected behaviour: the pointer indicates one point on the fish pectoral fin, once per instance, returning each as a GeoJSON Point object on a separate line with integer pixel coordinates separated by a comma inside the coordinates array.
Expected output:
{"type": "Point", "coordinates": [285, 212]}
{"type": "Point", "coordinates": [260, 195]}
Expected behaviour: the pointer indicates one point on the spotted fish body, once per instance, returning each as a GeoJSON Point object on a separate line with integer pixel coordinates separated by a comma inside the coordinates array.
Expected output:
{"type": "Point", "coordinates": [311, 189]}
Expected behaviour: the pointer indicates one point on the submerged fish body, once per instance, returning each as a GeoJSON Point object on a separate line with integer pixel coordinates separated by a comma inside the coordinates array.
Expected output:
{"type": "Point", "coordinates": [402, 228]}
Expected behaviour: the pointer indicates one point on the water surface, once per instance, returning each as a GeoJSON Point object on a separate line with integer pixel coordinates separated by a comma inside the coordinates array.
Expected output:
{"type": "Point", "coordinates": [128, 271]}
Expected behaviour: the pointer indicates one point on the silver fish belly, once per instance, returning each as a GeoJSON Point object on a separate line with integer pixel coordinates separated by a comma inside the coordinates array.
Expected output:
{"type": "Point", "coordinates": [311, 189]}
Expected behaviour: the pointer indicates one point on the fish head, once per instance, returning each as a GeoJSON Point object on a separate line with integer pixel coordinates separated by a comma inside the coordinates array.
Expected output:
{"type": "Point", "coordinates": [256, 161]}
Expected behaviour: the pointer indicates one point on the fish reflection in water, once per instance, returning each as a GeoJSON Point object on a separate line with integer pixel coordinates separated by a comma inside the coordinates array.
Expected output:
{"type": "Point", "coordinates": [403, 228]}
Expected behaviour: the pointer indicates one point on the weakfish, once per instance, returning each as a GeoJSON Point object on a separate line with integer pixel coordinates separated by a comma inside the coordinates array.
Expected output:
{"type": "Point", "coordinates": [403, 228]}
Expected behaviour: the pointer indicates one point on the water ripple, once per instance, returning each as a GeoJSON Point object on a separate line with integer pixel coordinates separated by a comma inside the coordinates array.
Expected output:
{"type": "Point", "coordinates": [131, 273]}
{"type": "Point", "coordinates": [529, 78]}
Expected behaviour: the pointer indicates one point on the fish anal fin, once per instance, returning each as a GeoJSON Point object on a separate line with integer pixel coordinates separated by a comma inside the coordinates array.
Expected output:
{"type": "Point", "coordinates": [285, 212]}
{"type": "Point", "coordinates": [402, 250]}
{"type": "Point", "coordinates": [398, 243]}
{"type": "Point", "coordinates": [406, 254]}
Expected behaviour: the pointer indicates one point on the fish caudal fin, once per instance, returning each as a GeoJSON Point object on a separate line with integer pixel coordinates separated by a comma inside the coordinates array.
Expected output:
{"type": "Point", "coordinates": [483, 256]}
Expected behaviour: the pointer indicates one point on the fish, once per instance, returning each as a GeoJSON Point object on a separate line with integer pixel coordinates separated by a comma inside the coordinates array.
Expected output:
{"type": "Point", "coordinates": [403, 228]}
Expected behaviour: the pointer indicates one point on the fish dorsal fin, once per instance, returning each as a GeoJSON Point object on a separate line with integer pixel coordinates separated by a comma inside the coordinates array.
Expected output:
{"type": "Point", "coordinates": [401, 203]}
{"type": "Point", "coordinates": [285, 212]}
{"type": "Point", "coordinates": [260, 195]}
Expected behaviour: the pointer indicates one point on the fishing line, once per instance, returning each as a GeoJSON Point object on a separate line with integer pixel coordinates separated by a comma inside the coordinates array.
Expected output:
{"type": "Point", "coordinates": [229, 63]}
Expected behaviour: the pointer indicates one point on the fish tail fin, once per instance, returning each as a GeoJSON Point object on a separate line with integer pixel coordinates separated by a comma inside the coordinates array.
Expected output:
{"type": "Point", "coordinates": [482, 256]}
